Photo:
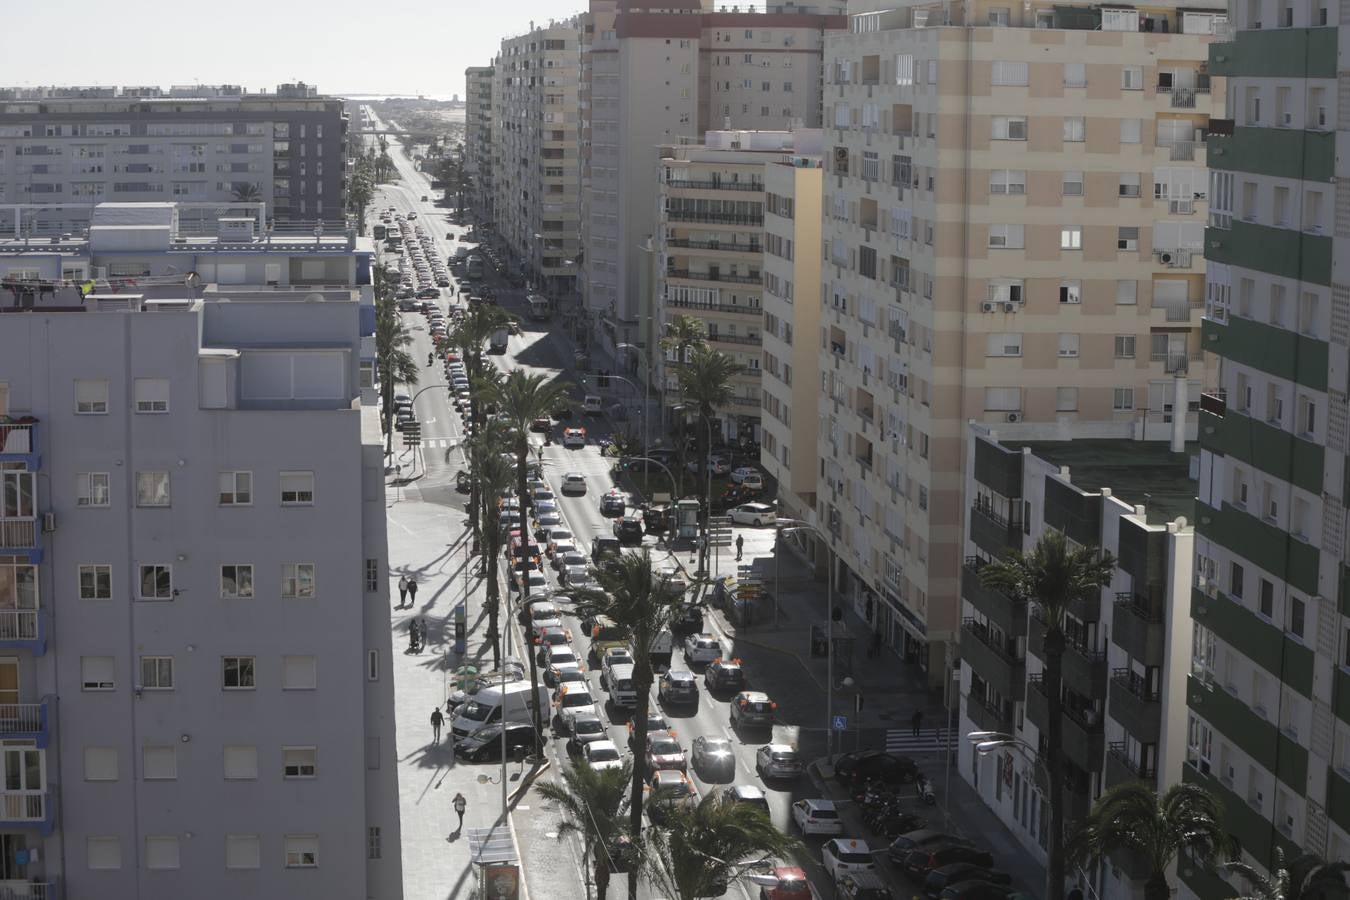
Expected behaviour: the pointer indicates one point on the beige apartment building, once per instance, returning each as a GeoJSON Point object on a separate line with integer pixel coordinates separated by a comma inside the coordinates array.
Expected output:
{"type": "Point", "coordinates": [658, 71]}
{"type": "Point", "coordinates": [789, 423]}
{"type": "Point", "coordinates": [536, 167]}
{"type": "Point", "coordinates": [478, 136]}
{"type": "Point", "coordinates": [1014, 210]}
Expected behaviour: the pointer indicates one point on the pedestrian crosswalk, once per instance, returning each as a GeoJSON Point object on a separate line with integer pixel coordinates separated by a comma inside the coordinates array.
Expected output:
{"type": "Point", "coordinates": [902, 740]}
{"type": "Point", "coordinates": [438, 443]}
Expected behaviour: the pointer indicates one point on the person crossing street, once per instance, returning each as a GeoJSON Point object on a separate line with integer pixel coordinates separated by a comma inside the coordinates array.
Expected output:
{"type": "Point", "coordinates": [740, 547]}
{"type": "Point", "coordinates": [460, 805]}
{"type": "Point", "coordinates": [437, 720]}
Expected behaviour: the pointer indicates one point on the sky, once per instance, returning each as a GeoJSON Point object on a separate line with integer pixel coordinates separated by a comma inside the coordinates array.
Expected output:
{"type": "Point", "coordinates": [342, 46]}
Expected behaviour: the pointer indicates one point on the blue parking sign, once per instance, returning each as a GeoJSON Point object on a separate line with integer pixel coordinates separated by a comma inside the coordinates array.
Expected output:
{"type": "Point", "coordinates": [841, 723]}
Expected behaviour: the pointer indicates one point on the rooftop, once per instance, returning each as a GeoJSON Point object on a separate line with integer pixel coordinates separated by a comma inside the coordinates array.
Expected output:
{"type": "Point", "coordinates": [1137, 472]}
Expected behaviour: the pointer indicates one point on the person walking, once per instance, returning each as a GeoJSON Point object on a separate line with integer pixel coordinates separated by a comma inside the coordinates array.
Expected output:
{"type": "Point", "coordinates": [917, 721]}
{"type": "Point", "coordinates": [460, 805]}
{"type": "Point", "coordinates": [437, 720]}
{"type": "Point", "coordinates": [422, 633]}
{"type": "Point", "coordinates": [740, 547]}
{"type": "Point", "coordinates": [412, 591]}
{"type": "Point", "coordinates": [402, 591]}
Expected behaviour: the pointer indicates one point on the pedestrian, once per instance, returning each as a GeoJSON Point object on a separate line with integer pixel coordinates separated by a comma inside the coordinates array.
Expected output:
{"type": "Point", "coordinates": [437, 720]}
{"type": "Point", "coordinates": [460, 805]}
{"type": "Point", "coordinates": [412, 591]}
{"type": "Point", "coordinates": [402, 591]}
{"type": "Point", "coordinates": [917, 721]}
{"type": "Point", "coordinates": [422, 633]}
{"type": "Point", "coordinates": [740, 547]}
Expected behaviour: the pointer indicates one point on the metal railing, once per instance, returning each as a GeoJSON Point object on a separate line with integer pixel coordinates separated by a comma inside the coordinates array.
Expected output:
{"type": "Point", "coordinates": [1134, 684]}
{"type": "Point", "coordinates": [1140, 608]}
{"type": "Point", "coordinates": [980, 632]}
{"type": "Point", "coordinates": [714, 276]}
{"type": "Point", "coordinates": [1182, 150]}
{"type": "Point", "coordinates": [19, 533]}
{"type": "Point", "coordinates": [1183, 98]}
{"type": "Point", "coordinates": [750, 340]}
{"type": "Point", "coordinates": [1122, 756]}
{"type": "Point", "coordinates": [689, 215]}
{"type": "Point", "coordinates": [33, 890]}
{"type": "Point", "coordinates": [23, 718]}
{"type": "Point", "coordinates": [18, 624]}
{"type": "Point", "coordinates": [17, 438]}
{"type": "Point", "coordinates": [715, 307]}
{"type": "Point", "coordinates": [23, 806]}
{"type": "Point", "coordinates": [729, 246]}
{"type": "Point", "coordinates": [1080, 717]}
{"type": "Point", "coordinates": [717, 185]}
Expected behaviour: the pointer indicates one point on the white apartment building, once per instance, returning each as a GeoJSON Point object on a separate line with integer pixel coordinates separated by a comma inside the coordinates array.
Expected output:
{"type": "Point", "coordinates": [1014, 224]}
{"type": "Point", "coordinates": [536, 175]}
{"type": "Point", "coordinates": [791, 297]}
{"type": "Point", "coordinates": [655, 72]}
{"type": "Point", "coordinates": [478, 128]}
{"type": "Point", "coordinates": [193, 569]}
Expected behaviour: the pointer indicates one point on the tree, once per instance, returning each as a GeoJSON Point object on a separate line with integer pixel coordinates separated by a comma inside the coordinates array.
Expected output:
{"type": "Point", "coordinates": [469, 335]}
{"type": "Point", "coordinates": [1309, 877]}
{"type": "Point", "coordinates": [678, 857]}
{"type": "Point", "coordinates": [705, 384]}
{"type": "Point", "coordinates": [492, 476]}
{"type": "Point", "coordinates": [1054, 576]}
{"type": "Point", "coordinates": [682, 333]}
{"type": "Point", "coordinates": [360, 192]}
{"type": "Point", "coordinates": [633, 597]}
{"type": "Point", "coordinates": [245, 192]}
{"type": "Point", "coordinates": [520, 399]}
{"type": "Point", "coordinates": [592, 803]}
{"type": "Point", "coordinates": [1131, 816]}
{"type": "Point", "coordinates": [394, 362]}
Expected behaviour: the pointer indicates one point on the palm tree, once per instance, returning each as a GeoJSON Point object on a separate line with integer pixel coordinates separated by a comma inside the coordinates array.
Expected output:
{"type": "Point", "coordinates": [705, 384]}
{"type": "Point", "coordinates": [360, 191]}
{"type": "Point", "coordinates": [633, 597]}
{"type": "Point", "coordinates": [1053, 575]}
{"type": "Point", "coordinates": [469, 335]}
{"type": "Point", "coordinates": [245, 192]}
{"type": "Point", "coordinates": [682, 333]}
{"type": "Point", "coordinates": [1309, 877]}
{"type": "Point", "coordinates": [520, 399]}
{"type": "Point", "coordinates": [394, 363]}
{"type": "Point", "coordinates": [592, 803]}
{"type": "Point", "coordinates": [678, 858]}
{"type": "Point", "coordinates": [492, 477]}
{"type": "Point", "coordinates": [1131, 816]}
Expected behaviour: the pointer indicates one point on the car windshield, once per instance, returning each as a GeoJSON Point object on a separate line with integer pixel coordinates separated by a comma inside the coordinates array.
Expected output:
{"type": "Point", "coordinates": [855, 856]}
{"type": "Point", "coordinates": [665, 748]}
{"type": "Point", "coordinates": [544, 612]}
{"type": "Point", "coordinates": [601, 754]}
{"type": "Point", "coordinates": [674, 788]}
{"type": "Point", "coordinates": [476, 711]}
{"type": "Point", "coordinates": [577, 698]}
{"type": "Point", "coordinates": [589, 726]}
{"type": "Point", "coordinates": [717, 746]}
{"type": "Point", "coordinates": [792, 757]}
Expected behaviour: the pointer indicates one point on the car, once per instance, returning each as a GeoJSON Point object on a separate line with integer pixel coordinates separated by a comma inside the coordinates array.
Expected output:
{"type": "Point", "coordinates": [424, 198]}
{"type": "Point", "coordinates": [602, 754]}
{"type": "Point", "coordinates": [543, 613]}
{"type": "Point", "coordinates": [571, 697]}
{"type": "Point", "coordinates": [555, 537]}
{"type": "Point", "coordinates": [713, 758]}
{"type": "Point", "coordinates": [629, 530]}
{"type": "Point", "coordinates": [574, 437]}
{"type": "Point", "coordinates": [677, 686]}
{"type": "Point", "coordinates": [717, 465]}
{"type": "Point", "coordinates": [543, 423]}
{"type": "Point", "coordinates": [485, 744]}
{"type": "Point", "coordinates": [749, 794]}
{"type": "Point", "coordinates": [863, 886]}
{"type": "Point", "coordinates": [841, 856]}
{"type": "Point", "coordinates": [546, 522]}
{"type": "Point", "coordinates": [561, 655]}
{"type": "Point", "coordinates": [701, 649]}
{"type": "Point", "coordinates": [574, 483]}
{"type": "Point", "coordinates": [861, 766]}
{"type": "Point", "coordinates": [724, 675]}
{"type": "Point", "coordinates": [655, 722]}
{"type": "Point", "coordinates": [739, 475]}
{"type": "Point", "coordinates": [792, 885]}
{"type": "Point", "coordinates": [545, 506]}
{"type": "Point", "coordinates": [667, 789]}
{"type": "Point", "coordinates": [664, 752]}
{"type": "Point", "coordinates": [751, 709]}
{"type": "Point", "coordinates": [615, 656]}
{"type": "Point", "coordinates": [543, 494]}
{"type": "Point", "coordinates": [922, 860]}
{"type": "Point", "coordinates": [778, 761]}
{"type": "Point", "coordinates": [592, 405]}
{"type": "Point", "coordinates": [604, 546]}
{"type": "Point", "coordinates": [584, 727]}
{"type": "Point", "coordinates": [940, 878]}
{"type": "Point", "coordinates": [614, 503]}
{"type": "Point", "coordinates": [575, 576]}
{"type": "Point", "coordinates": [412, 215]}
{"type": "Point", "coordinates": [553, 636]}
{"type": "Point", "coordinates": [427, 293]}
{"type": "Point", "coordinates": [918, 839]}
{"type": "Point", "coordinates": [568, 555]}
{"type": "Point", "coordinates": [753, 514]}
{"type": "Point", "coordinates": [975, 890]}
{"type": "Point", "coordinates": [561, 673]}
{"type": "Point", "coordinates": [817, 817]}
{"type": "Point", "coordinates": [690, 619]}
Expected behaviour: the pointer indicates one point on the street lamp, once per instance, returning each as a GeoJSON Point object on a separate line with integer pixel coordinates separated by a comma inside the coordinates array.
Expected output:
{"type": "Point", "coordinates": [647, 401]}
{"type": "Point", "coordinates": [799, 525]}
{"type": "Point", "coordinates": [987, 742]}
{"type": "Point", "coordinates": [646, 429]}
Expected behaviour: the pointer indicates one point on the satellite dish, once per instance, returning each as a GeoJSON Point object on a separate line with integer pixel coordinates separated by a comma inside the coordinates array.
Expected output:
{"type": "Point", "coordinates": [314, 298]}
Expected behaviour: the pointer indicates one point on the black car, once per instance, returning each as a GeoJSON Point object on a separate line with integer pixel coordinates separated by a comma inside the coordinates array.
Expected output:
{"type": "Point", "coordinates": [690, 621]}
{"type": "Point", "coordinates": [677, 686]}
{"type": "Point", "coordinates": [922, 860]}
{"type": "Point", "coordinates": [943, 877]}
{"type": "Point", "coordinates": [975, 890]}
{"type": "Point", "coordinates": [613, 504]}
{"type": "Point", "coordinates": [862, 766]}
{"type": "Point", "coordinates": [724, 675]}
{"type": "Point", "coordinates": [603, 546]}
{"type": "Point", "coordinates": [862, 886]}
{"type": "Point", "coordinates": [628, 530]}
{"type": "Point", "coordinates": [921, 839]}
{"type": "Point", "coordinates": [485, 744]}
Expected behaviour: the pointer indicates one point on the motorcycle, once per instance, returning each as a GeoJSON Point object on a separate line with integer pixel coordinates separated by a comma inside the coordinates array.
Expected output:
{"type": "Point", "coordinates": [924, 788]}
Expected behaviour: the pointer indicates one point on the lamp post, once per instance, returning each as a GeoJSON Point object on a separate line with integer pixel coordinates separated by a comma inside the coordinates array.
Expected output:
{"type": "Point", "coordinates": [798, 525]}
{"type": "Point", "coordinates": [647, 401]}
{"type": "Point", "coordinates": [988, 741]}
{"type": "Point", "coordinates": [646, 430]}
{"type": "Point", "coordinates": [707, 494]}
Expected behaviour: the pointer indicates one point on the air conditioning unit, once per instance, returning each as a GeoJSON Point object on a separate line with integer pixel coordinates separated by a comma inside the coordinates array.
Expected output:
{"type": "Point", "coordinates": [1165, 258]}
{"type": "Point", "coordinates": [987, 306]}
{"type": "Point", "coordinates": [48, 522]}
{"type": "Point", "coordinates": [1014, 417]}
{"type": "Point", "coordinates": [1009, 306]}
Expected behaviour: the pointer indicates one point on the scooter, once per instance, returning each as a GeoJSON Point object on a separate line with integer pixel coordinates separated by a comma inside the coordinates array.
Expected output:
{"type": "Point", "coordinates": [924, 788]}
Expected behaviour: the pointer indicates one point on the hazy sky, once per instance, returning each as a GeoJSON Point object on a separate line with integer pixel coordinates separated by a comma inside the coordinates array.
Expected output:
{"type": "Point", "coordinates": [339, 45]}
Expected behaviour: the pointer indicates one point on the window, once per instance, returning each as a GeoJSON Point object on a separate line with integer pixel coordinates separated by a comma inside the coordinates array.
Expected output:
{"type": "Point", "coordinates": [1071, 237]}
{"type": "Point", "coordinates": [1075, 129]}
{"type": "Point", "coordinates": [1068, 345]}
{"type": "Point", "coordinates": [91, 396]}
{"type": "Point", "coordinates": [157, 673]}
{"type": "Point", "coordinates": [1129, 184]}
{"type": "Point", "coordinates": [299, 762]}
{"type": "Point", "coordinates": [103, 853]}
{"type": "Point", "coordinates": [372, 576]}
{"type": "Point", "coordinates": [237, 673]}
{"type": "Point", "coordinates": [1005, 236]}
{"type": "Point", "coordinates": [1009, 73]}
{"type": "Point", "coordinates": [1236, 580]}
{"type": "Point", "coordinates": [1002, 399]}
{"type": "Point", "coordinates": [92, 489]}
{"type": "Point", "coordinates": [297, 488]}
{"type": "Point", "coordinates": [1009, 128]}
{"type": "Point", "coordinates": [152, 395]}
{"type": "Point", "coordinates": [299, 673]}
{"type": "Point", "coordinates": [1066, 399]}
{"type": "Point", "coordinates": [1127, 238]}
{"type": "Point", "coordinates": [236, 488]}
{"type": "Point", "coordinates": [159, 763]}
{"type": "Point", "coordinates": [1308, 314]}
{"type": "Point", "coordinates": [372, 665]}
{"type": "Point", "coordinates": [100, 763]}
{"type": "Point", "coordinates": [152, 488]}
{"type": "Point", "coordinates": [297, 580]}
{"type": "Point", "coordinates": [302, 851]}
{"type": "Point", "coordinates": [1127, 291]}
{"type": "Point", "coordinates": [374, 850]}
{"type": "Point", "coordinates": [236, 581]}
{"type": "Point", "coordinates": [1131, 131]}
{"type": "Point", "coordinates": [1298, 611]}
{"type": "Point", "coordinates": [1123, 399]}
{"type": "Point", "coordinates": [241, 763]}
{"type": "Point", "coordinates": [1125, 346]}
{"type": "Point", "coordinates": [1072, 184]}
{"type": "Point", "coordinates": [1071, 292]}
{"type": "Point", "coordinates": [1003, 345]}
{"type": "Point", "coordinates": [95, 582]}
{"type": "Point", "coordinates": [1075, 75]}
{"type": "Point", "coordinates": [97, 673]}
{"type": "Point", "coordinates": [242, 851]}
{"type": "Point", "coordinates": [1131, 78]}
{"type": "Point", "coordinates": [156, 582]}
{"type": "Point", "coordinates": [1007, 181]}
{"type": "Point", "coordinates": [161, 852]}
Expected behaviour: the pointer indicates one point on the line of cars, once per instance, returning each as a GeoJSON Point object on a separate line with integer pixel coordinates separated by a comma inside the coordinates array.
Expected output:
{"type": "Point", "coordinates": [422, 272]}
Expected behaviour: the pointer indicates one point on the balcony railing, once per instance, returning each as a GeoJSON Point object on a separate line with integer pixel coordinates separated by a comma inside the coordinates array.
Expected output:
{"type": "Point", "coordinates": [749, 340]}
{"type": "Point", "coordinates": [718, 185]}
{"type": "Point", "coordinates": [18, 438]}
{"type": "Point", "coordinates": [720, 218]}
{"type": "Point", "coordinates": [981, 633]}
{"type": "Point", "coordinates": [33, 890]}
{"type": "Point", "coordinates": [1182, 151]}
{"type": "Point", "coordinates": [1121, 755]}
{"type": "Point", "coordinates": [729, 246]}
{"type": "Point", "coordinates": [715, 276]}
{"type": "Point", "coordinates": [23, 719]}
{"type": "Point", "coordinates": [1183, 98]}
{"type": "Point", "coordinates": [1214, 402]}
{"type": "Point", "coordinates": [18, 533]}
{"type": "Point", "coordinates": [18, 625]}
{"type": "Point", "coordinates": [24, 807]}
{"type": "Point", "coordinates": [743, 309]}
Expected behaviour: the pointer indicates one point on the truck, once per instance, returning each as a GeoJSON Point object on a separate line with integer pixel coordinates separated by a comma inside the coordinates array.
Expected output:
{"type": "Point", "coordinates": [540, 308]}
{"type": "Point", "coordinates": [497, 343]}
{"type": "Point", "coordinates": [659, 653]}
{"type": "Point", "coordinates": [514, 702]}
{"type": "Point", "coordinates": [473, 268]}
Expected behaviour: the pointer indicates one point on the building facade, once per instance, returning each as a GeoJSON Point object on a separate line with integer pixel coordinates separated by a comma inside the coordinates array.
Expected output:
{"type": "Point", "coordinates": [67, 154]}
{"type": "Point", "coordinates": [478, 128]}
{"type": "Point", "coordinates": [192, 485]}
{"type": "Point", "coordinates": [1127, 650]}
{"type": "Point", "coordinates": [1270, 693]}
{"type": "Point", "coordinates": [1014, 214]}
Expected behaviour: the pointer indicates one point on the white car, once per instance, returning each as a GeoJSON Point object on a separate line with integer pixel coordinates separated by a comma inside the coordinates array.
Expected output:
{"type": "Point", "coordinates": [538, 585]}
{"type": "Point", "coordinates": [558, 536]}
{"type": "Point", "coordinates": [561, 551]}
{"type": "Point", "coordinates": [573, 575]}
{"type": "Point", "coordinates": [562, 654]}
{"type": "Point", "coordinates": [549, 519]}
{"type": "Point", "coordinates": [817, 817]}
{"type": "Point", "coordinates": [843, 856]}
{"type": "Point", "coordinates": [603, 755]}
{"type": "Point", "coordinates": [574, 483]}
{"type": "Point", "coordinates": [701, 649]}
{"type": "Point", "coordinates": [739, 475]}
{"type": "Point", "coordinates": [753, 514]}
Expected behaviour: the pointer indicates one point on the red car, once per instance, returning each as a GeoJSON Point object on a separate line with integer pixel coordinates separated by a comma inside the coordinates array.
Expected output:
{"type": "Point", "coordinates": [792, 885]}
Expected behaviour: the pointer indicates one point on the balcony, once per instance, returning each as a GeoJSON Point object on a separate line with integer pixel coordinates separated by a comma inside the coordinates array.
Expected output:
{"type": "Point", "coordinates": [1135, 707]}
{"type": "Point", "coordinates": [1137, 626]}
{"type": "Point", "coordinates": [21, 536]}
{"type": "Point", "coordinates": [1007, 613]}
{"type": "Point", "coordinates": [1120, 768]}
{"type": "Point", "coordinates": [28, 809]}
{"type": "Point", "coordinates": [19, 442]}
{"type": "Point", "coordinates": [22, 629]}
{"type": "Point", "coordinates": [717, 185]}
{"type": "Point", "coordinates": [33, 890]}
{"type": "Point", "coordinates": [715, 276]}
{"type": "Point", "coordinates": [714, 218]}
{"type": "Point", "coordinates": [723, 246]}
{"type": "Point", "coordinates": [26, 721]}
{"type": "Point", "coordinates": [1084, 738]}
{"type": "Point", "coordinates": [986, 717]}
{"type": "Point", "coordinates": [991, 532]}
{"type": "Point", "coordinates": [1214, 402]}
{"type": "Point", "coordinates": [747, 340]}
{"type": "Point", "coordinates": [739, 308]}
{"type": "Point", "coordinates": [992, 661]}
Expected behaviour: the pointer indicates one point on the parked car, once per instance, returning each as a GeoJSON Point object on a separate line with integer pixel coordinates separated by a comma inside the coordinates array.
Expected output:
{"type": "Point", "coordinates": [485, 744]}
{"type": "Point", "coordinates": [922, 860]}
{"type": "Point", "coordinates": [975, 890]}
{"type": "Point", "coordinates": [862, 886]}
{"type": "Point", "coordinates": [844, 856]}
{"type": "Point", "coordinates": [739, 475]}
{"type": "Point", "coordinates": [817, 817]}
{"type": "Point", "coordinates": [862, 766]}
{"type": "Point", "coordinates": [753, 514]}
{"type": "Point", "coordinates": [920, 839]}
{"type": "Point", "coordinates": [942, 877]}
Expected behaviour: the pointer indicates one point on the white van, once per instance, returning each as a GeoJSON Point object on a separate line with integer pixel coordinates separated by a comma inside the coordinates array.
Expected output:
{"type": "Point", "coordinates": [495, 703]}
{"type": "Point", "coordinates": [619, 683]}
{"type": "Point", "coordinates": [592, 405]}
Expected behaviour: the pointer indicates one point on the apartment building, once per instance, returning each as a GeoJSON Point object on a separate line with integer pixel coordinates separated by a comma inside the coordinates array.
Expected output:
{"type": "Point", "coordinates": [193, 573]}
{"type": "Point", "coordinates": [1128, 650]}
{"type": "Point", "coordinates": [791, 388]}
{"type": "Point", "coordinates": [537, 178]}
{"type": "Point", "coordinates": [1270, 694]}
{"type": "Point", "coordinates": [655, 72]}
{"type": "Point", "coordinates": [69, 153]}
{"type": "Point", "coordinates": [1014, 228]}
{"type": "Point", "coordinates": [478, 136]}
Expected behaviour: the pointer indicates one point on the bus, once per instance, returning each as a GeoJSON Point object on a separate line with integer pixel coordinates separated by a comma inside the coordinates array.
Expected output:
{"type": "Point", "coordinates": [473, 268]}
{"type": "Point", "coordinates": [540, 309]}
{"type": "Point", "coordinates": [379, 231]}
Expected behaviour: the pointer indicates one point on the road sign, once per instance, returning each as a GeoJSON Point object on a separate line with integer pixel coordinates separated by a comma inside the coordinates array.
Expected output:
{"type": "Point", "coordinates": [841, 723]}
